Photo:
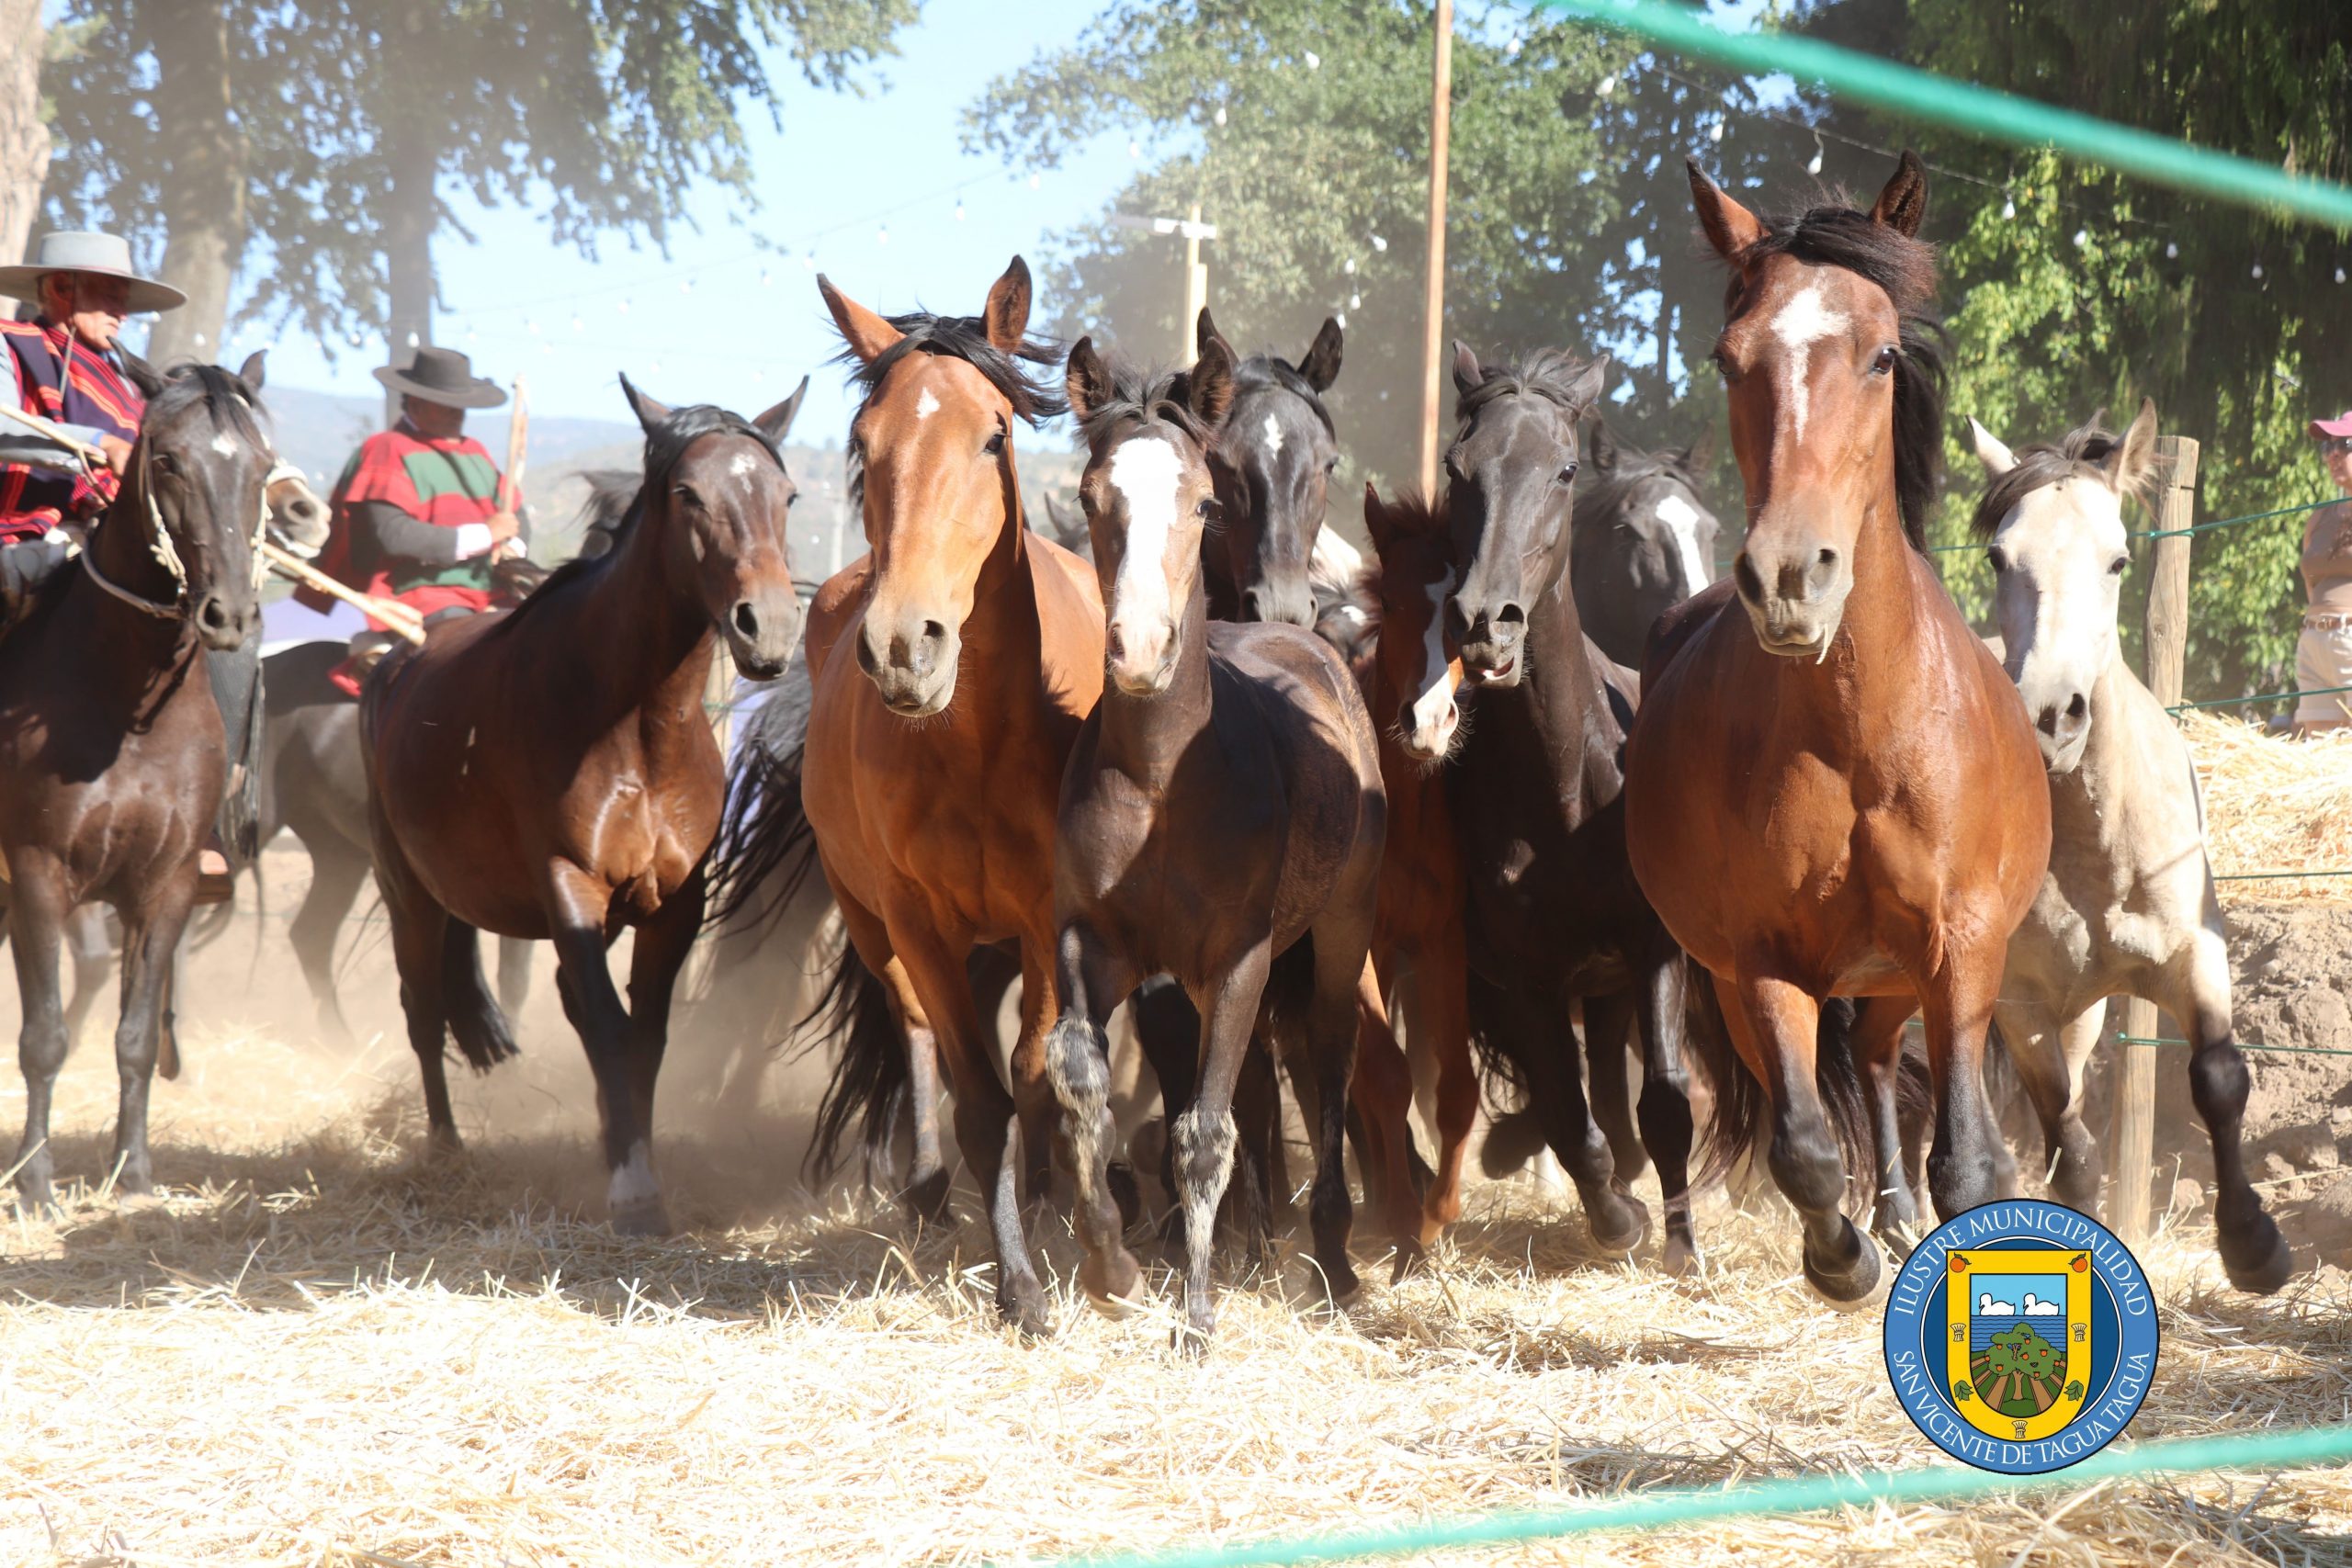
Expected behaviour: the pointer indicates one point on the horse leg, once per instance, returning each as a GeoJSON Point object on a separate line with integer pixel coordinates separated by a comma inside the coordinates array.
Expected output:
{"type": "Point", "coordinates": [1441, 1026]}
{"type": "Point", "coordinates": [1545, 1049]}
{"type": "Point", "coordinates": [987, 1128]}
{"type": "Point", "coordinates": [1382, 1095]}
{"type": "Point", "coordinates": [1773, 1025]}
{"type": "Point", "coordinates": [1665, 1107]}
{"type": "Point", "coordinates": [1343, 978]}
{"type": "Point", "coordinates": [1203, 1135]}
{"type": "Point", "coordinates": [37, 912]}
{"type": "Point", "coordinates": [2254, 1254]}
{"type": "Point", "coordinates": [93, 950]}
{"type": "Point", "coordinates": [1091, 978]}
{"type": "Point", "coordinates": [151, 940]}
{"type": "Point", "coordinates": [1168, 1032]}
{"type": "Point", "coordinates": [577, 906]}
{"type": "Point", "coordinates": [1608, 1041]}
{"type": "Point", "coordinates": [1879, 1023]}
{"type": "Point", "coordinates": [515, 974]}
{"type": "Point", "coordinates": [663, 944]}
{"type": "Point", "coordinates": [2042, 1048]}
{"type": "Point", "coordinates": [336, 874]}
{"type": "Point", "coordinates": [1247, 1215]}
{"type": "Point", "coordinates": [1963, 1167]}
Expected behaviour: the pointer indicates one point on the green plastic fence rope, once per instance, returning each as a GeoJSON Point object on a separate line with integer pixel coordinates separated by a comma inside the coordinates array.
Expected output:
{"type": "Point", "coordinates": [2264, 698]}
{"type": "Point", "coordinates": [2270, 1450]}
{"type": "Point", "coordinates": [2242, 1045]}
{"type": "Point", "coordinates": [1980, 112]}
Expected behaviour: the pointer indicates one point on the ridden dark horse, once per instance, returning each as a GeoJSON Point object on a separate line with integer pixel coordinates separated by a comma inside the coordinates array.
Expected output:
{"type": "Point", "coordinates": [1887, 823]}
{"type": "Point", "coordinates": [112, 756]}
{"type": "Point", "coordinates": [1555, 913]}
{"type": "Point", "coordinates": [547, 771]}
{"type": "Point", "coordinates": [1221, 823]}
{"type": "Point", "coordinates": [1644, 540]}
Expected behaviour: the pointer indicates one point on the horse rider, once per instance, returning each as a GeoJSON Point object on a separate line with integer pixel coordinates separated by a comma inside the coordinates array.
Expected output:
{"type": "Point", "coordinates": [421, 514]}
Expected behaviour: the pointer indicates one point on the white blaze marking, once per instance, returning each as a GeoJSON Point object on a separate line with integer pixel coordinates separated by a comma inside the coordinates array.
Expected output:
{"type": "Point", "coordinates": [1274, 436]}
{"type": "Point", "coordinates": [925, 404]}
{"type": "Point", "coordinates": [1146, 473]}
{"type": "Point", "coordinates": [1802, 321]}
{"type": "Point", "coordinates": [1682, 519]}
{"type": "Point", "coordinates": [633, 1183]}
{"type": "Point", "coordinates": [745, 465]}
{"type": "Point", "coordinates": [225, 444]}
{"type": "Point", "coordinates": [1430, 709]}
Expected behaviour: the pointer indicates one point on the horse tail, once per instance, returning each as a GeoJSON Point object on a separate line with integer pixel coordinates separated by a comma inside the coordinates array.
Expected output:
{"type": "Point", "coordinates": [870, 1082]}
{"type": "Point", "coordinates": [476, 1019]}
{"type": "Point", "coordinates": [765, 847]}
{"type": "Point", "coordinates": [1741, 1118]}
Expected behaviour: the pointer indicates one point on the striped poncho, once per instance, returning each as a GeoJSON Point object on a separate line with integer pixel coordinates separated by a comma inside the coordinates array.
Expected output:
{"type": "Point", "coordinates": [67, 383]}
{"type": "Point", "coordinates": [447, 482]}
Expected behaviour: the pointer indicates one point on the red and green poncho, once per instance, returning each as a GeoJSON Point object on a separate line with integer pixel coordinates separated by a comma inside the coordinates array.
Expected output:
{"type": "Point", "coordinates": [91, 393]}
{"type": "Point", "coordinates": [445, 481]}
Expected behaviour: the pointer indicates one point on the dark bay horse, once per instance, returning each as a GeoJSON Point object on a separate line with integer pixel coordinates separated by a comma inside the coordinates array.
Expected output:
{"type": "Point", "coordinates": [1272, 468]}
{"type": "Point", "coordinates": [1555, 913]}
{"type": "Point", "coordinates": [952, 666]}
{"type": "Point", "coordinates": [1644, 540]}
{"type": "Point", "coordinates": [1832, 789]}
{"type": "Point", "coordinates": [1221, 823]}
{"type": "Point", "coordinates": [547, 771]}
{"type": "Point", "coordinates": [112, 756]}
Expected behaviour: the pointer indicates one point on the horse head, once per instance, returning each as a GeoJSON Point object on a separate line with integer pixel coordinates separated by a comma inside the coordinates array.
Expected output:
{"type": "Point", "coordinates": [1149, 496]}
{"type": "Point", "coordinates": [1413, 580]}
{"type": "Point", "coordinates": [2052, 519]}
{"type": "Point", "coordinates": [931, 465]}
{"type": "Point", "coordinates": [1643, 540]}
{"type": "Point", "coordinates": [193, 497]}
{"type": "Point", "coordinates": [1834, 379]}
{"type": "Point", "coordinates": [716, 503]}
{"type": "Point", "coordinates": [1513, 459]}
{"type": "Point", "coordinates": [1272, 468]}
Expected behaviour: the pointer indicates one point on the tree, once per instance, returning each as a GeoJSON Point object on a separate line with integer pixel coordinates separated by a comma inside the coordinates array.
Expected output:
{"type": "Point", "coordinates": [346, 123]}
{"type": "Point", "coordinates": [24, 137]}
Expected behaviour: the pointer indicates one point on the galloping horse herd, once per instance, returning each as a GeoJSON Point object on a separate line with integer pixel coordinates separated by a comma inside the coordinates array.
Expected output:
{"type": "Point", "coordinates": [1568, 802]}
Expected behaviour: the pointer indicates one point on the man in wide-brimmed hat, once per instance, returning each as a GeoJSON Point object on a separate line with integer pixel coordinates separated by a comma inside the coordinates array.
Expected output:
{"type": "Point", "coordinates": [422, 513]}
{"type": "Point", "coordinates": [2324, 651]}
{"type": "Point", "coordinates": [67, 365]}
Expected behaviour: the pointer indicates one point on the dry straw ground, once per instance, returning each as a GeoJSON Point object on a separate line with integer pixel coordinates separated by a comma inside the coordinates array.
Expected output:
{"type": "Point", "coordinates": [319, 1350]}
{"type": "Point", "coordinates": [2275, 805]}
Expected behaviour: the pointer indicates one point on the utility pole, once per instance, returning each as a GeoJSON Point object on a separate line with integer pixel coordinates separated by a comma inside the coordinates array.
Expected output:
{"type": "Point", "coordinates": [1433, 336]}
{"type": "Point", "coordinates": [1196, 272]}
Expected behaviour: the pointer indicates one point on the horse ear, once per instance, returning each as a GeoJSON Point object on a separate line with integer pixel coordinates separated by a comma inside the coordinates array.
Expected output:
{"type": "Point", "coordinates": [1700, 455]}
{"type": "Point", "coordinates": [1585, 390]}
{"type": "Point", "coordinates": [1600, 448]}
{"type": "Point", "coordinates": [648, 413]}
{"type": "Point", "coordinates": [1087, 378]}
{"type": "Point", "coordinates": [1902, 204]}
{"type": "Point", "coordinates": [2127, 464]}
{"type": "Point", "coordinates": [1375, 518]}
{"type": "Point", "coordinates": [143, 376]}
{"type": "Point", "coordinates": [777, 421]}
{"type": "Point", "coordinates": [1008, 308]}
{"type": "Point", "coordinates": [1321, 365]}
{"type": "Point", "coordinates": [1730, 227]}
{"type": "Point", "coordinates": [1208, 385]}
{"type": "Point", "coordinates": [867, 334]}
{"type": "Point", "coordinates": [250, 371]}
{"type": "Point", "coordinates": [1997, 458]}
{"type": "Point", "coordinates": [1467, 373]}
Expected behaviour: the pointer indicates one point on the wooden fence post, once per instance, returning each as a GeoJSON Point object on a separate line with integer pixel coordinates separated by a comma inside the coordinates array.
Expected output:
{"type": "Point", "coordinates": [2132, 1149]}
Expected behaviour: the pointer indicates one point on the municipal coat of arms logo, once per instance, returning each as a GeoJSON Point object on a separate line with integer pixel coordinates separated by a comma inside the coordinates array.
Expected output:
{"type": "Point", "coordinates": [2020, 1336]}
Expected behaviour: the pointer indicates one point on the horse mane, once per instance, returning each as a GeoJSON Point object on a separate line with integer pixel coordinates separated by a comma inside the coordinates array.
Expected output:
{"type": "Point", "coordinates": [1547, 373]}
{"type": "Point", "coordinates": [966, 338]}
{"type": "Point", "coordinates": [220, 394]}
{"type": "Point", "coordinates": [1608, 487]}
{"type": "Point", "coordinates": [1842, 236]}
{"type": "Point", "coordinates": [665, 446]}
{"type": "Point", "coordinates": [610, 493]}
{"type": "Point", "coordinates": [1261, 371]}
{"type": "Point", "coordinates": [1145, 394]}
{"type": "Point", "coordinates": [2079, 453]}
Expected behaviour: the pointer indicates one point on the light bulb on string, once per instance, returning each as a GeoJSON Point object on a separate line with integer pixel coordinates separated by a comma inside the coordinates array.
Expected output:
{"type": "Point", "coordinates": [1135, 149]}
{"type": "Point", "coordinates": [1607, 85]}
{"type": "Point", "coordinates": [959, 209]}
{"type": "Point", "coordinates": [2339, 274]}
{"type": "Point", "coordinates": [1814, 166]}
{"type": "Point", "coordinates": [685, 286]}
{"type": "Point", "coordinates": [2008, 206]}
{"type": "Point", "coordinates": [579, 325]}
{"type": "Point", "coordinates": [1715, 131]}
{"type": "Point", "coordinates": [1340, 317]}
{"type": "Point", "coordinates": [469, 336]}
{"type": "Point", "coordinates": [1314, 61]}
{"type": "Point", "coordinates": [882, 235]}
{"type": "Point", "coordinates": [2172, 249]}
{"type": "Point", "coordinates": [1378, 244]}
{"type": "Point", "coordinates": [809, 262]}
{"type": "Point", "coordinates": [1034, 182]}
{"type": "Point", "coordinates": [1510, 50]}
{"type": "Point", "coordinates": [1220, 114]}
{"type": "Point", "coordinates": [764, 279]}
{"type": "Point", "coordinates": [1354, 301]}
{"type": "Point", "coordinates": [2082, 238]}
{"type": "Point", "coordinates": [2257, 270]}
{"type": "Point", "coordinates": [1349, 265]}
{"type": "Point", "coordinates": [200, 340]}
{"type": "Point", "coordinates": [412, 340]}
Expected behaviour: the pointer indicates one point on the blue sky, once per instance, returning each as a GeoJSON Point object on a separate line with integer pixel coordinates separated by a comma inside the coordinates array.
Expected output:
{"type": "Point", "coordinates": [701, 325]}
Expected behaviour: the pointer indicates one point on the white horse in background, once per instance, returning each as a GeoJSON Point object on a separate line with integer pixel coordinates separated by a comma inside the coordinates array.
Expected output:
{"type": "Point", "coordinates": [2127, 908]}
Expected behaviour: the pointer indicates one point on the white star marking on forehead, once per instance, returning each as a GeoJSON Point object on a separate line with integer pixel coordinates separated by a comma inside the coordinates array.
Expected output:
{"type": "Point", "coordinates": [225, 443]}
{"type": "Point", "coordinates": [1274, 436]}
{"type": "Point", "coordinates": [1802, 321]}
{"type": "Point", "coordinates": [925, 404]}
{"type": "Point", "coordinates": [1682, 519]}
{"type": "Point", "coordinates": [743, 466]}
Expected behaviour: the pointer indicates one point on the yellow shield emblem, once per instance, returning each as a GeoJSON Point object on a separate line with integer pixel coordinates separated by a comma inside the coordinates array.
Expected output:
{"type": "Point", "coordinates": [2021, 1351]}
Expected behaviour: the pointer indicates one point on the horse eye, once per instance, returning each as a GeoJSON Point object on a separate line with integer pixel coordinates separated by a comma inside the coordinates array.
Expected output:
{"type": "Point", "coordinates": [995, 447]}
{"type": "Point", "coordinates": [2000, 562]}
{"type": "Point", "coordinates": [2121, 565]}
{"type": "Point", "coordinates": [1723, 367]}
{"type": "Point", "coordinates": [1568, 471]}
{"type": "Point", "coordinates": [1885, 364]}
{"type": "Point", "coordinates": [1330, 464]}
{"type": "Point", "coordinates": [1207, 509]}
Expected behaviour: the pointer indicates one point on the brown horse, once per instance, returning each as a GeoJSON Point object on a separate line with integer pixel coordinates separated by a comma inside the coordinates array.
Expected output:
{"type": "Point", "coordinates": [1410, 687]}
{"type": "Point", "coordinates": [1221, 823]}
{"type": "Point", "coordinates": [547, 771]}
{"type": "Point", "coordinates": [951, 666]}
{"type": "Point", "coordinates": [1833, 788]}
{"type": "Point", "coordinates": [112, 758]}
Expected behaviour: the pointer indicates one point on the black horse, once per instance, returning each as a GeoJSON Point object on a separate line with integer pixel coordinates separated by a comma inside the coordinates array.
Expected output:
{"type": "Point", "coordinates": [1644, 540]}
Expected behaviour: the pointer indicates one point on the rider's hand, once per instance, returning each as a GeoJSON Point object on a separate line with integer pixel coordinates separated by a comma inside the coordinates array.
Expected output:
{"type": "Point", "coordinates": [118, 452]}
{"type": "Point", "coordinates": [502, 526]}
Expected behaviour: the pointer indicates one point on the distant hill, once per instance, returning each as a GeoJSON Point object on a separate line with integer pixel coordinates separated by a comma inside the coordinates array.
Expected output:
{"type": "Point", "coordinates": [318, 432]}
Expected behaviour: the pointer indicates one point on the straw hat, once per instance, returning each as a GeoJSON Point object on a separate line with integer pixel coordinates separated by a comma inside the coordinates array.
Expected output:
{"type": "Point", "coordinates": [107, 256]}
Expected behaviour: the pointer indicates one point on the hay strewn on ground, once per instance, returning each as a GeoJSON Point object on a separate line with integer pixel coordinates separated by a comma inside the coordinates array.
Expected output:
{"type": "Point", "coordinates": [2275, 805]}
{"type": "Point", "coordinates": [319, 1349]}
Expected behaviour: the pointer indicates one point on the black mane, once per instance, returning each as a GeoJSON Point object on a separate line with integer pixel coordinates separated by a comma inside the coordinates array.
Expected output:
{"type": "Point", "coordinates": [1547, 373]}
{"type": "Point", "coordinates": [219, 394]}
{"type": "Point", "coordinates": [1264, 370]}
{"type": "Point", "coordinates": [2079, 454]}
{"type": "Point", "coordinates": [1146, 394]}
{"type": "Point", "coordinates": [1840, 236]}
{"type": "Point", "coordinates": [966, 338]}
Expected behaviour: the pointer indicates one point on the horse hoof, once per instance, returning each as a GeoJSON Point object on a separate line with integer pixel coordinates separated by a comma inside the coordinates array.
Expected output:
{"type": "Point", "coordinates": [645, 1216]}
{"type": "Point", "coordinates": [442, 1143]}
{"type": "Point", "coordinates": [1682, 1259]}
{"type": "Point", "coordinates": [1112, 1280]}
{"type": "Point", "coordinates": [1853, 1287]}
{"type": "Point", "coordinates": [1339, 1281]}
{"type": "Point", "coordinates": [1629, 1228]}
{"type": "Point", "coordinates": [926, 1199]}
{"type": "Point", "coordinates": [1192, 1338]}
{"type": "Point", "coordinates": [2271, 1261]}
{"type": "Point", "coordinates": [1126, 1191]}
{"type": "Point", "coordinates": [1025, 1311]}
{"type": "Point", "coordinates": [1411, 1260]}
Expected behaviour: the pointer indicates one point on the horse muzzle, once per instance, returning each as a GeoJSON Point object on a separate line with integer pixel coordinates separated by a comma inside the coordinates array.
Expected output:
{"type": "Point", "coordinates": [1279, 603]}
{"type": "Point", "coordinates": [914, 670]}
{"type": "Point", "coordinates": [1794, 602]}
{"type": "Point", "coordinates": [223, 627]}
{"type": "Point", "coordinates": [761, 632]}
{"type": "Point", "coordinates": [1139, 660]}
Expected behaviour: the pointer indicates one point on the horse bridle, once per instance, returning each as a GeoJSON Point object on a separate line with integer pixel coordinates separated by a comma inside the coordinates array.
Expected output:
{"type": "Point", "coordinates": [168, 555]}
